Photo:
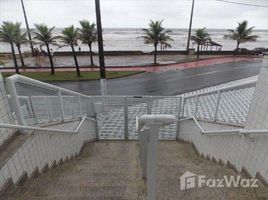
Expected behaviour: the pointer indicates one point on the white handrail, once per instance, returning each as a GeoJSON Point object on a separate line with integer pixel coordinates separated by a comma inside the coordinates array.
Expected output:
{"type": "Point", "coordinates": [23, 79]}
{"type": "Point", "coordinates": [248, 83]}
{"type": "Point", "coordinates": [22, 127]}
{"type": "Point", "coordinates": [229, 131]}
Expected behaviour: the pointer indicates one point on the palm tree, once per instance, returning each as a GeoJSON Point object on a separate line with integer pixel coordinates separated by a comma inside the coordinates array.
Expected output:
{"type": "Point", "coordinates": [43, 34]}
{"type": "Point", "coordinates": [156, 35]}
{"type": "Point", "coordinates": [201, 36]}
{"type": "Point", "coordinates": [20, 38]}
{"type": "Point", "coordinates": [88, 35]}
{"type": "Point", "coordinates": [8, 34]}
{"type": "Point", "coordinates": [241, 34]}
{"type": "Point", "coordinates": [70, 37]}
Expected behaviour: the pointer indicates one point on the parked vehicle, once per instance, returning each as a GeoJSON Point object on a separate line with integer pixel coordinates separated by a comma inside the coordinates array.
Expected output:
{"type": "Point", "coordinates": [259, 50]}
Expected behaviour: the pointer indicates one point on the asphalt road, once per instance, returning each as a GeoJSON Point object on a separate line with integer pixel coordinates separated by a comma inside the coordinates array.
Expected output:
{"type": "Point", "coordinates": [169, 82]}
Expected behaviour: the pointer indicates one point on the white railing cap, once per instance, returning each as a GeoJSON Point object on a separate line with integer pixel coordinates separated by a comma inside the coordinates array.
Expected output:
{"type": "Point", "coordinates": [154, 119]}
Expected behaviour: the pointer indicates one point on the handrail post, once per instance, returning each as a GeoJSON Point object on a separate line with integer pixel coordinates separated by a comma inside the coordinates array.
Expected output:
{"type": "Point", "coordinates": [217, 106]}
{"type": "Point", "coordinates": [196, 105]}
{"type": "Point", "coordinates": [152, 161]}
{"type": "Point", "coordinates": [61, 106]}
{"type": "Point", "coordinates": [126, 136]}
{"type": "Point", "coordinates": [143, 144]}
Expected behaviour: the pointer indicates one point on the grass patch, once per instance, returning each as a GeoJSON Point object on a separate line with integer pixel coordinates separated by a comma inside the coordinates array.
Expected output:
{"type": "Point", "coordinates": [71, 76]}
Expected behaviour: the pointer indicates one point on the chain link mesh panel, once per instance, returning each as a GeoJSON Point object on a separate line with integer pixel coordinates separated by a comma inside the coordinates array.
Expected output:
{"type": "Point", "coordinates": [111, 121]}
{"type": "Point", "coordinates": [206, 106]}
{"type": "Point", "coordinates": [41, 104]}
{"type": "Point", "coordinates": [137, 106]}
{"type": "Point", "coordinates": [168, 106]}
{"type": "Point", "coordinates": [234, 105]}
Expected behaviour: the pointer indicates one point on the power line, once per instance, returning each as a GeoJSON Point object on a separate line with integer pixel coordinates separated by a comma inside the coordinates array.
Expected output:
{"type": "Point", "coordinates": [244, 4]}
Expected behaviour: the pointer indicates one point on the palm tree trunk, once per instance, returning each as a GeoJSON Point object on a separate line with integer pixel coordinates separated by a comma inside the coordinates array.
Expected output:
{"type": "Point", "coordinates": [91, 56]}
{"type": "Point", "coordinates": [155, 53]}
{"type": "Point", "coordinates": [50, 60]}
{"type": "Point", "coordinates": [236, 49]}
{"type": "Point", "coordinates": [14, 58]}
{"type": "Point", "coordinates": [198, 51]}
{"type": "Point", "coordinates": [75, 61]}
{"type": "Point", "coordinates": [21, 58]}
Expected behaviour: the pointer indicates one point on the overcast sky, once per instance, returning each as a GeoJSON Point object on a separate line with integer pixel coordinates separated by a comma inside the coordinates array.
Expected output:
{"type": "Point", "coordinates": [136, 13]}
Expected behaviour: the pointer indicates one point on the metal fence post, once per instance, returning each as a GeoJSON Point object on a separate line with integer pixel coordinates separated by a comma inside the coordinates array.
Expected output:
{"type": "Point", "coordinates": [149, 104]}
{"type": "Point", "coordinates": [48, 109]}
{"type": "Point", "coordinates": [126, 136]}
{"type": "Point", "coordinates": [32, 108]}
{"type": "Point", "coordinates": [97, 127]}
{"type": "Point", "coordinates": [15, 101]}
{"type": "Point", "coordinates": [183, 106]}
{"type": "Point", "coordinates": [178, 122]}
{"type": "Point", "coordinates": [61, 106]}
{"type": "Point", "coordinates": [196, 105]}
{"type": "Point", "coordinates": [217, 106]}
{"type": "Point", "coordinates": [79, 104]}
{"type": "Point", "coordinates": [91, 106]}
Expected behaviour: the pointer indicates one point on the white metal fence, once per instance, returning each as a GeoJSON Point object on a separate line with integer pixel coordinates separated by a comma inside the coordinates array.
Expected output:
{"type": "Point", "coordinates": [36, 103]}
{"type": "Point", "coordinates": [229, 104]}
{"type": "Point", "coordinates": [118, 121]}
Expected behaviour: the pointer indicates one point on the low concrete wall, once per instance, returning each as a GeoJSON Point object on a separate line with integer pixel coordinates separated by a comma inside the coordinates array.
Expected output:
{"type": "Point", "coordinates": [124, 53]}
{"type": "Point", "coordinates": [248, 152]}
{"type": "Point", "coordinates": [44, 150]}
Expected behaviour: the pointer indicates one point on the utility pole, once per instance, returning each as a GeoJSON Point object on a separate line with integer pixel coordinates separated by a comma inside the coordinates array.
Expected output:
{"type": "Point", "coordinates": [190, 27]}
{"type": "Point", "coordinates": [101, 53]}
{"type": "Point", "coordinates": [27, 26]}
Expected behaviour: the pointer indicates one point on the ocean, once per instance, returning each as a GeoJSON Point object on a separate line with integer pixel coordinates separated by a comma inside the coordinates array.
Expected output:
{"type": "Point", "coordinates": [126, 39]}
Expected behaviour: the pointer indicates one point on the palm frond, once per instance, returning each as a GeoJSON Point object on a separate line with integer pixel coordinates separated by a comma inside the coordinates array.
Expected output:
{"type": "Point", "coordinates": [69, 35]}
{"type": "Point", "coordinates": [241, 34]}
{"type": "Point", "coordinates": [156, 33]}
{"type": "Point", "coordinates": [87, 32]}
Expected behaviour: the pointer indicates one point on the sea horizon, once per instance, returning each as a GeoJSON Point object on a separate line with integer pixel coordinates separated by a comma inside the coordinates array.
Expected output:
{"type": "Point", "coordinates": [127, 39]}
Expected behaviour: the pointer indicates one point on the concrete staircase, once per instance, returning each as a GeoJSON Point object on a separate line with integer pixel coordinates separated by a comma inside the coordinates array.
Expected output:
{"type": "Point", "coordinates": [111, 170]}
{"type": "Point", "coordinates": [105, 170]}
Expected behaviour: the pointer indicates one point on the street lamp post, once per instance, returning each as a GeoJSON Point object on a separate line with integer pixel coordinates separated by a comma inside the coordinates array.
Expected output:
{"type": "Point", "coordinates": [27, 26]}
{"type": "Point", "coordinates": [101, 53]}
{"type": "Point", "coordinates": [190, 27]}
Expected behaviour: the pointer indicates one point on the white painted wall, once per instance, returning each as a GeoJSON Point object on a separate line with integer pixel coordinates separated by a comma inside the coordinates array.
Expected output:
{"type": "Point", "coordinates": [241, 151]}
{"type": "Point", "coordinates": [43, 148]}
{"type": "Point", "coordinates": [258, 112]}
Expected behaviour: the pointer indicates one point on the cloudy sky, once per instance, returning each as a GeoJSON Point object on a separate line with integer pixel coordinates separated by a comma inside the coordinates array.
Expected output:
{"type": "Point", "coordinates": [136, 13]}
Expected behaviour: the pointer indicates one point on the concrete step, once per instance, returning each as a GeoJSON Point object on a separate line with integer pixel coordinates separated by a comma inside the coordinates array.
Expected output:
{"type": "Point", "coordinates": [105, 170]}
{"type": "Point", "coordinates": [111, 170]}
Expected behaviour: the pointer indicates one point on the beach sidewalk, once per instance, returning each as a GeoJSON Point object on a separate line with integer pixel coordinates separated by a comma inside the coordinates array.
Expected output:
{"type": "Point", "coordinates": [129, 63]}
